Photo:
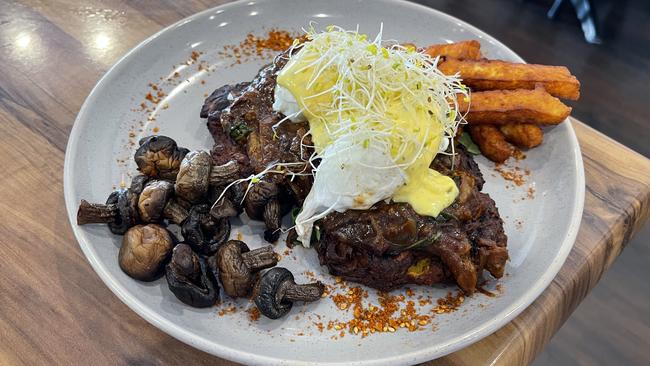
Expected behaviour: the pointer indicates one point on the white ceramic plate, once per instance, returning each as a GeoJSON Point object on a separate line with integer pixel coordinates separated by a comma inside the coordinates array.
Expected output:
{"type": "Point", "coordinates": [541, 231]}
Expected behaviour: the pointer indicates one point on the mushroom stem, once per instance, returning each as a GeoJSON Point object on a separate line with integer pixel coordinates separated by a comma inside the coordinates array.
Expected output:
{"type": "Point", "coordinates": [307, 293]}
{"type": "Point", "coordinates": [260, 258]}
{"type": "Point", "coordinates": [224, 174]}
{"type": "Point", "coordinates": [272, 220]}
{"type": "Point", "coordinates": [96, 213]}
{"type": "Point", "coordinates": [175, 213]}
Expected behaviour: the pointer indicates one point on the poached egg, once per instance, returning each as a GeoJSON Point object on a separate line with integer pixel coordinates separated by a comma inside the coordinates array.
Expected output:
{"type": "Point", "coordinates": [377, 116]}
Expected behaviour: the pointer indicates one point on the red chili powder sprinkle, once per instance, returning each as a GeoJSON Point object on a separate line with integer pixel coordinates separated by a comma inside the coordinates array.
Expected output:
{"type": "Point", "coordinates": [449, 303]}
{"type": "Point", "coordinates": [259, 47]}
{"type": "Point", "coordinates": [228, 310]}
{"type": "Point", "coordinates": [253, 314]}
{"type": "Point", "coordinates": [367, 319]}
{"type": "Point", "coordinates": [320, 326]}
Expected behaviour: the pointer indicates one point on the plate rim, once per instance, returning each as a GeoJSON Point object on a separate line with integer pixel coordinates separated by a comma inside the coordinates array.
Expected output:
{"type": "Point", "coordinates": [219, 350]}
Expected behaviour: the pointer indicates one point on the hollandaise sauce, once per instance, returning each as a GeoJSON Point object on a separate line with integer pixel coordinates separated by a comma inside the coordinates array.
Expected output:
{"type": "Point", "coordinates": [412, 132]}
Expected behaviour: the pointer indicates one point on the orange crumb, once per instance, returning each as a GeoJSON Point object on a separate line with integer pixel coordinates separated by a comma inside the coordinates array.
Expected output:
{"type": "Point", "coordinates": [519, 155]}
{"type": "Point", "coordinates": [449, 303]}
{"type": "Point", "coordinates": [253, 314]}
{"type": "Point", "coordinates": [513, 175]}
{"type": "Point", "coordinates": [531, 192]}
{"type": "Point", "coordinates": [228, 310]}
{"type": "Point", "coordinates": [368, 319]}
{"type": "Point", "coordinates": [259, 47]}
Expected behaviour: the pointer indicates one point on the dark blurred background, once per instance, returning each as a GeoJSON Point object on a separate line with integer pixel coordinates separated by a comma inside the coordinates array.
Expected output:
{"type": "Point", "coordinates": [612, 325]}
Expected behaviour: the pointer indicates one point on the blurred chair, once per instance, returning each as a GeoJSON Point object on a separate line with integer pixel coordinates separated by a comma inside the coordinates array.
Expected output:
{"type": "Point", "coordinates": [586, 16]}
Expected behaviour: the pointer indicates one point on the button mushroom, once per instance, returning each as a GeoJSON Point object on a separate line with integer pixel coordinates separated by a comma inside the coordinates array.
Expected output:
{"type": "Point", "coordinates": [189, 280]}
{"type": "Point", "coordinates": [238, 266]}
{"type": "Point", "coordinates": [276, 292]}
{"type": "Point", "coordinates": [120, 211]}
{"type": "Point", "coordinates": [144, 250]}
{"type": "Point", "coordinates": [204, 233]}
{"type": "Point", "coordinates": [193, 176]}
{"type": "Point", "coordinates": [159, 157]}
{"type": "Point", "coordinates": [259, 194]}
{"type": "Point", "coordinates": [153, 199]}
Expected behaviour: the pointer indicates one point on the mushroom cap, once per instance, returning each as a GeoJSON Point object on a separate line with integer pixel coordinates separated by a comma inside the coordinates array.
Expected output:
{"type": "Point", "coordinates": [204, 233]}
{"type": "Point", "coordinates": [223, 208]}
{"type": "Point", "coordinates": [269, 293]}
{"type": "Point", "coordinates": [159, 157]}
{"type": "Point", "coordinates": [189, 279]}
{"type": "Point", "coordinates": [153, 199]}
{"type": "Point", "coordinates": [138, 183]}
{"type": "Point", "coordinates": [235, 193]}
{"type": "Point", "coordinates": [192, 180]}
{"type": "Point", "coordinates": [259, 194]}
{"type": "Point", "coordinates": [175, 211]}
{"type": "Point", "coordinates": [144, 250]}
{"type": "Point", "coordinates": [127, 205]}
{"type": "Point", "coordinates": [236, 278]}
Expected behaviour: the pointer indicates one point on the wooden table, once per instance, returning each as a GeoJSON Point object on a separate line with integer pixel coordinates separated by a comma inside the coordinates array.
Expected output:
{"type": "Point", "coordinates": [55, 310]}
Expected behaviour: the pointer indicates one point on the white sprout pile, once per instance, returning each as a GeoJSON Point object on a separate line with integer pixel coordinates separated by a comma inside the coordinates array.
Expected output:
{"type": "Point", "coordinates": [364, 78]}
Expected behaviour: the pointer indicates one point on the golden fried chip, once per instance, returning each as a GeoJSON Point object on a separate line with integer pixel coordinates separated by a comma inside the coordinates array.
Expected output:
{"type": "Point", "coordinates": [464, 50]}
{"type": "Point", "coordinates": [495, 74]}
{"type": "Point", "coordinates": [513, 106]}
{"type": "Point", "coordinates": [491, 142]}
{"type": "Point", "coordinates": [524, 135]}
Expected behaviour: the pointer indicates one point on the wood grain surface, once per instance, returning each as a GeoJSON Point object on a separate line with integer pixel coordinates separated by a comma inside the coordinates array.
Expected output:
{"type": "Point", "coordinates": [53, 307]}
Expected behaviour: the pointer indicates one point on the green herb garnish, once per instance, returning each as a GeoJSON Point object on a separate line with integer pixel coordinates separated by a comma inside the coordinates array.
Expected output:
{"type": "Point", "coordinates": [466, 140]}
{"type": "Point", "coordinates": [396, 248]}
{"type": "Point", "coordinates": [240, 131]}
{"type": "Point", "coordinates": [294, 214]}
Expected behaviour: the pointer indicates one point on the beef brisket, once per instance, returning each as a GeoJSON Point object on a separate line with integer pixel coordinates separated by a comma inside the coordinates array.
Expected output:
{"type": "Point", "coordinates": [391, 245]}
{"type": "Point", "coordinates": [385, 247]}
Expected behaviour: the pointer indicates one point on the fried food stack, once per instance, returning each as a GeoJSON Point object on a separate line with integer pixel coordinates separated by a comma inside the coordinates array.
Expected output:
{"type": "Point", "coordinates": [508, 101]}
